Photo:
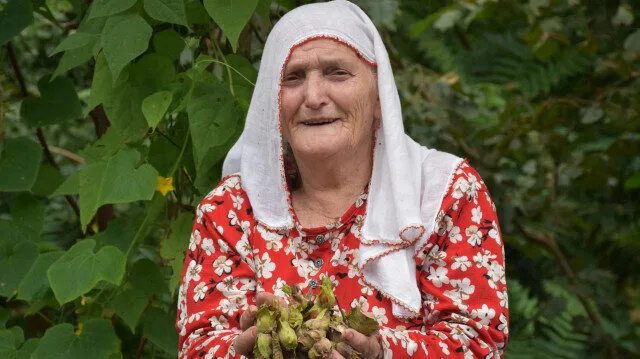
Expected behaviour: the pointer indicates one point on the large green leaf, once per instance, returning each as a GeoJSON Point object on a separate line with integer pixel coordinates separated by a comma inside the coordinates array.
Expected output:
{"type": "Point", "coordinates": [172, 11]}
{"type": "Point", "coordinates": [231, 16]}
{"type": "Point", "coordinates": [48, 180]}
{"type": "Point", "coordinates": [80, 50]}
{"type": "Point", "coordinates": [146, 276]}
{"type": "Point", "coordinates": [155, 106]}
{"type": "Point", "coordinates": [158, 327]}
{"type": "Point", "coordinates": [80, 269]}
{"type": "Point", "coordinates": [101, 82]}
{"type": "Point", "coordinates": [71, 185]}
{"type": "Point", "coordinates": [123, 103]}
{"type": "Point", "coordinates": [168, 43]}
{"type": "Point", "coordinates": [13, 346]}
{"type": "Point", "coordinates": [129, 305]}
{"type": "Point", "coordinates": [8, 347]}
{"type": "Point", "coordinates": [15, 261]}
{"type": "Point", "coordinates": [15, 16]}
{"type": "Point", "coordinates": [35, 283]}
{"type": "Point", "coordinates": [19, 163]}
{"type": "Point", "coordinates": [124, 38]}
{"type": "Point", "coordinates": [114, 179]}
{"type": "Point", "coordinates": [173, 247]}
{"type": "Point", "coordinates": [27, 220]}
{"type": "Point", "coordinates": [110, 7]}
{"type": "Point", "coordinates": [58, 102]}
{"type": "Point", "coordinates": [96, 340]}
{"type": "Point", "coordinates": [214, 117]}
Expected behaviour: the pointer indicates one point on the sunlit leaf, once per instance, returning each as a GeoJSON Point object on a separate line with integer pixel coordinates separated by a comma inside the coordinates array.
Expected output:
{"type": "Point", "coordinates": [231, 16]}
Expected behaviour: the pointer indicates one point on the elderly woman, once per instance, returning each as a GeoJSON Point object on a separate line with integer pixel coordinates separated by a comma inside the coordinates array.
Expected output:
{"type": "Point", "coordinates": [323, 183]}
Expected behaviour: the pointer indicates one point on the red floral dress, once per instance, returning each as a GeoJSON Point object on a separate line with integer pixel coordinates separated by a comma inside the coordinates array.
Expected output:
{"type": "Point", "coordinates": [460, 273]}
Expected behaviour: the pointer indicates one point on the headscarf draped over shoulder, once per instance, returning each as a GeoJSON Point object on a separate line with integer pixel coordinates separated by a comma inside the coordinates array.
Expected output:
{"type": "Point", "coordinates": [408, 181]}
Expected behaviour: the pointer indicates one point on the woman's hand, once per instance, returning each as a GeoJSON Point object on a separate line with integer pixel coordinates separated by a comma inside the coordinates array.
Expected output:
{"type": "Point", "coordinates": [368, 346]}
{"type": "Point", "coordinates": [245, 342]}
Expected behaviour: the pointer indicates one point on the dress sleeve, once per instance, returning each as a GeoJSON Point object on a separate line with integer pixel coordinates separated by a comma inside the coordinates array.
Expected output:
{"type": "Point", "coordinates": [462, 278]}
{"type": "Point", "coordinates": [218, 280]}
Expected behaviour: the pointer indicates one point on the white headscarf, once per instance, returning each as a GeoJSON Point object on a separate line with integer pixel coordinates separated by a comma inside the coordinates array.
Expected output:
{"type": "Point", "coordinates": [408, 181]}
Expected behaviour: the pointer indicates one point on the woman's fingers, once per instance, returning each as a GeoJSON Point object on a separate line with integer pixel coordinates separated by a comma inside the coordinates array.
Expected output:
{"type": "Point", "coordinates": [265, 297]}
{"type": "Point", "coordinates": [248, 318]}
{"type": "Point", "coordinates": [245, 342]}
{"type": "Point", "coordinates": [335, 355]}
{"type": "Point", "coordinates": [368, 346]}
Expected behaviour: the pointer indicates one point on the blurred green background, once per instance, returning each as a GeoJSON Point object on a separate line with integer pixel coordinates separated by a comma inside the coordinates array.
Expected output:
{"type": "Point", "coordinates": [542, 97]}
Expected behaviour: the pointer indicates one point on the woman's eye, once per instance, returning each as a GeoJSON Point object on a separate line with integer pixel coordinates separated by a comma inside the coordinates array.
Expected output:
{"type": "Point", "coordinates": [290, 78]}
{"type": "Point", "coordinates": [339, 73]}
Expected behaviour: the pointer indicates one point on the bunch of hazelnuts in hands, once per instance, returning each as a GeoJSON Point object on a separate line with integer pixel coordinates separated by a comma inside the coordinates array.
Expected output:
{"type": "Point", "coordinates": [308, 327]}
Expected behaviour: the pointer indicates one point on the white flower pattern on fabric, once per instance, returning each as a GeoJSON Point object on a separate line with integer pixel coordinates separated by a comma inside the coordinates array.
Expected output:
{"type": "Point", "coordinates": [460, 272]}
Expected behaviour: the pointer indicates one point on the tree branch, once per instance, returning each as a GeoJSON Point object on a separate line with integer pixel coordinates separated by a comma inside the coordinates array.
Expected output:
{"type": "Point", "coordinates": [549, 241]}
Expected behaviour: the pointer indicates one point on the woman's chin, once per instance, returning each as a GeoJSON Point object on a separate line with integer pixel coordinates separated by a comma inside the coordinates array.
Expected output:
{"type": "Point", "coordinates": [317, 148]}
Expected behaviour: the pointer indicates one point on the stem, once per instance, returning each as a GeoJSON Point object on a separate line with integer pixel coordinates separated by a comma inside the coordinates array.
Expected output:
{"type": "Point", "coordinates": [215, 45]}
{"type": "Point", "coordinates": [66, 153]}
{"type": "Point", "coordinates": [228, 66]}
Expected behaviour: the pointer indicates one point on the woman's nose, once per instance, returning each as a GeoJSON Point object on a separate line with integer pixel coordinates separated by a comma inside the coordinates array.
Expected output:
{"type": "Point", "coordinates": [315, 94]}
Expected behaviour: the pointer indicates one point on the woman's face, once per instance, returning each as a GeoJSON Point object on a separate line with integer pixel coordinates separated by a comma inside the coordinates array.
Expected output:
{"type": "Point", "coordinates": [329, 100]}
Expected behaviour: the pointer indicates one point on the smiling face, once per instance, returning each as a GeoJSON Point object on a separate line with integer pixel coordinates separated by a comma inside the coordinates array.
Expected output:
{"type": "Point", "coordinates": [329, 101]}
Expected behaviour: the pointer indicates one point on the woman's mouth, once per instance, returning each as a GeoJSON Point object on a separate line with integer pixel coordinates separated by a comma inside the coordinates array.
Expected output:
{"type": "Point", "coordinates": [319, 121]}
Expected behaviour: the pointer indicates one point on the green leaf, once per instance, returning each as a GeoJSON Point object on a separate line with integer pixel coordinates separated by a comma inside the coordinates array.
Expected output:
{"type": "Point", "coordinates": [263, 9]}
{"type": "Point", "coordinates": [632, 182]}
{"type": "Point", "coordinates": [110, 7]}
{"type": "Point", "coordinates": [28, 348]}
{"type": "Point", "coordinates": [101, 83]}
{"type": "Point", "coordinates": [96, 340]}
{"type": "Point", "coordinates": [124, 38]}
{"type": "Point", "coordinates": [80, 269]}
{"type": "Point", "coordinates": [90, 30]}
{"type": "Point", "coordinates": [360, 322]}
{"type": "Point", "coordinates": [158, 327]}
{"type": "Point", "coordinates": [8, 348]}
{"type": "Point", "coordinates": [168, 43]}
{"type": "Point", "coordinates": [231, 16]}
{"type": "Point", "coordinates": [173, 247]}
{"type": "Point", "coordinates": [382, 12]}
{"type": "Point", "coordinates": [49, 178]}
{"type": "Point", "coordinates": [15, 16]}
{"type": "Point", "coordinates": [15, 261]}
{"type": "Point", "coordinates": [172, 11]}
{"type": "Point", "coordinates": [123, 104]}
{"type": "Point", "coordinates": [214, 118]}
{"type": "Point", "coordinates": [70, 186]}
{"type": "Point", "coordinates": [155, 106]}
{"type": "Point", "coordinates": [35, 283]}
{"type": "Point", "coordinates": [27, 221]}
{"type": "Point", "coordinates": [114, 179]}
{"type": "Point", "coordinates": [129, 305]}
{"type": "Point", "coordinates": [196, 13]}
{"type": "Point", "coordinates": [58, 102]}
{"type": "Point", "coordinates": [447, 20]}
{"type": "Point", "coordinates": [119, 233]}
{"type": "Point", "coordinates": [76, 41]}
{"type": "Point", "coordinates": [147, 277]}
{"type": "Point", "coordinates": [19, 163]}
{"type": "Point", "coordinates": [632, 42]}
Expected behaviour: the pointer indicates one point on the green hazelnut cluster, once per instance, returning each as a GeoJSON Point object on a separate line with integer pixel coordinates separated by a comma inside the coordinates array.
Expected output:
{"type": "Point", "coordinates": [308, 327]}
